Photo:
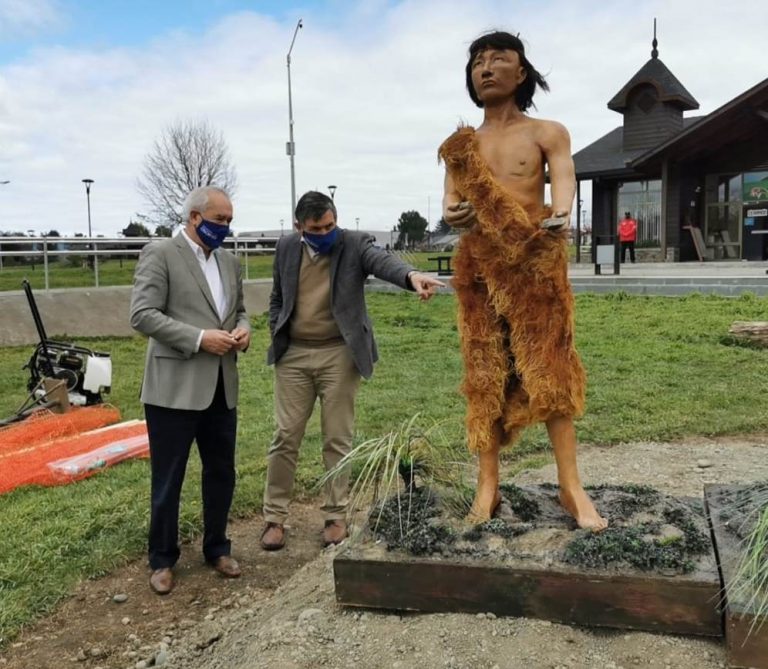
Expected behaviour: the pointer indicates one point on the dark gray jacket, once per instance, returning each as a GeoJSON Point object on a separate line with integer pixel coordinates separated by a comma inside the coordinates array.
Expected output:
{"type": "Point", "coordinates": [353, 258]}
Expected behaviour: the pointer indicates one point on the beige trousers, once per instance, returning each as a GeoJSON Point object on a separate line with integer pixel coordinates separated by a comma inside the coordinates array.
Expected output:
{"type": "Point", "coordinates": [302, 375]}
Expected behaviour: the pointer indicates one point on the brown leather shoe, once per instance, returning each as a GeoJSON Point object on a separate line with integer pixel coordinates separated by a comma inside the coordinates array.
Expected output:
{"type": "Point", "coordinates": [227, 566]}
{"type": "Point", "coordinates": [334, 532]}
{"type": "Point", "coordinates": [273, 537]}
{"type": "Point", "coordinates": [161, 581]}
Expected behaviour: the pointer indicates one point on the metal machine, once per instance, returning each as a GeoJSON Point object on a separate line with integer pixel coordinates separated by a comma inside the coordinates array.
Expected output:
{"type": "Point", "coordinates": [86, 373]}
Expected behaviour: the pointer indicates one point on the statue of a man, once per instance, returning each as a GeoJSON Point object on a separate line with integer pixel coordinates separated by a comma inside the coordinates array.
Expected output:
{"type": "Point", "coordinates": [515, 301]}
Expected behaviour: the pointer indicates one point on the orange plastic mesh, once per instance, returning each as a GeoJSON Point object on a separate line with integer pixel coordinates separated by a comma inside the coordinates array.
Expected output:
{"type": "Point", "coordinates": [24, 461]}
{"type": "Point", "coordinates": [45, 426]}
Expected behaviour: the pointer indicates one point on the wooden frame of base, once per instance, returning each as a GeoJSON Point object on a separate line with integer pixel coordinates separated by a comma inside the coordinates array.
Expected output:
{"type": "Point", "coordinates": [367, 575]}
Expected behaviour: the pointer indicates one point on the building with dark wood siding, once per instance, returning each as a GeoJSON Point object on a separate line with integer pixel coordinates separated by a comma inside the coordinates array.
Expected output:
{"type": "Point", "coordinates": [698, 186]}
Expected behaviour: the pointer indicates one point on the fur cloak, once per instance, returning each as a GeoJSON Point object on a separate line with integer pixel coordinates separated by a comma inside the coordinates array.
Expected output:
{"type": "Point", "coordinates": [515, 309]}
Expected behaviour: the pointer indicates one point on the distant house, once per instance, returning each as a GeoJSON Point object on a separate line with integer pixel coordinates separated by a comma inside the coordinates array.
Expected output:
{"type": "Point", "coordinates": [697, 186]}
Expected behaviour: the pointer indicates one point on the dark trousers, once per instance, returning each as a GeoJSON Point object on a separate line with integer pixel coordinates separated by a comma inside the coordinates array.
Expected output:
{"type": "Point", "coordinates": [631, 247]}
{"type": "Point", "coordinates": [171, 433]}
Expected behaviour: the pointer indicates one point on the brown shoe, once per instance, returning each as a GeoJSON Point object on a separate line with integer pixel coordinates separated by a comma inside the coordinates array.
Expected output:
{"type": "Point", "coordinates": [273, 537]}
{"type": "Point", "coordinates": [227, 566]}
{"type": "Point", "coordinates": [334, 532]}
{"type": "Point", "coordinates": [161, 581]}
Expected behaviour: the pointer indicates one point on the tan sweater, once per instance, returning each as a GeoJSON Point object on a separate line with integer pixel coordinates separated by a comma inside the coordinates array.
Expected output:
{"type": "Point", "coordinates": [312, 322]}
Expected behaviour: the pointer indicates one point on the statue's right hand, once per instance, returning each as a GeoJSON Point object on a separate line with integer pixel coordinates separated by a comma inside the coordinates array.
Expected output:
{"type": "Point", "coordinates": [217, 342]}
{"type": "Point", "coordinates": [460, 215]}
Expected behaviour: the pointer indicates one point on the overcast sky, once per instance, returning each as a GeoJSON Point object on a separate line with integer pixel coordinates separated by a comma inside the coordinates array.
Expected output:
{"type": "Point", "coordinates": [84, 91]}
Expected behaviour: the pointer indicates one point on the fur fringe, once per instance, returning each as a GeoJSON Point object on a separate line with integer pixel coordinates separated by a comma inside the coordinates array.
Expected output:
{"type": "Point", "coordinates": [515, 309]}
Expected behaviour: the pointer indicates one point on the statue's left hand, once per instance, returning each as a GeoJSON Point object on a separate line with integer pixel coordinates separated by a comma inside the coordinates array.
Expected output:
{"type": "Point", "coordinates": [557, 224]}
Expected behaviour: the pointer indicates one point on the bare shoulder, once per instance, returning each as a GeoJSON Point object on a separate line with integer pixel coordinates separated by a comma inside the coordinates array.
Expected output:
{"type": "Point", "coordinates": [551, 133]}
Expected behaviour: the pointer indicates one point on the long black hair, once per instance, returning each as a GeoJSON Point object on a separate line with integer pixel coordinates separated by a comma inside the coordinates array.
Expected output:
{"type": "Point", "coordinates": [506, 42]}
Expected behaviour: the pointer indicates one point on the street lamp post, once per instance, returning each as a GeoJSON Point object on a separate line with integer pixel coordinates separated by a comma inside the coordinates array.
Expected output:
{"type": "Point", "coordinates": [290, 147]}
{"type": "Point", "coordinates": [92, 261]}
{"type": "Point", "coordinates": [88, 183]}
{"type": "Point", "coordinates": [281, 226]}
{"type": "Point", "coordinates": [357, 224]}
{"type": "Point", "coordinates": [332, 191]}
{"type": "Point", "coordinates": [579, 222]}
{"type": "Point", "coordinates": [3, 183]}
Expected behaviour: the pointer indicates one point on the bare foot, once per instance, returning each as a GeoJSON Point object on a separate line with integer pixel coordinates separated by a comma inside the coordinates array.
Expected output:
{"type": "Point", "coordinates": [580, 506]}
{"type": "Point", "coordinates": [485, 504]}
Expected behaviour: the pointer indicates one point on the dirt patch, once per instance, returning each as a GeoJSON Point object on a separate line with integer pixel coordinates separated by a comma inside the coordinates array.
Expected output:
{"type": "Point", "coordinates": [299, 625]}
{"type": "Point", "coordinates": [92, 630]}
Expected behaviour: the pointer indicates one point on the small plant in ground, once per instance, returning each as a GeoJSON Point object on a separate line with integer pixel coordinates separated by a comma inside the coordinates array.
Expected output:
{"type": "Point", "coordinates": [496, 526]}
{"type": "Point", "coordinates": [408, 523]}
{"type": "Point", "coordinates": [640, 546]}
{"type": "Point", "coordinates": [750, 585]}
{"type": "Point", "coordinates": [427, 456]}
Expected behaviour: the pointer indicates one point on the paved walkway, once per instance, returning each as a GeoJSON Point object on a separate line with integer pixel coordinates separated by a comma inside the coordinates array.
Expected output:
{"type": "Point", "coordinates": [650, 270]}
{"type": "Point", "coordinates": [727, 278]}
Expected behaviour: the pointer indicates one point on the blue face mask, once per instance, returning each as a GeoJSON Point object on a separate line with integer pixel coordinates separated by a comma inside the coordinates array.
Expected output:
{"type": "Point", "coordinates": [212, 234]}
{"type": "Point", "coordinates": [322, 244]}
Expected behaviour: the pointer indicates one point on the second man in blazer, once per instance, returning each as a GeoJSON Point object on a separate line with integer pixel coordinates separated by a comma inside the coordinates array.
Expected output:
{"type": "Point", "coordinates": [322, 344]}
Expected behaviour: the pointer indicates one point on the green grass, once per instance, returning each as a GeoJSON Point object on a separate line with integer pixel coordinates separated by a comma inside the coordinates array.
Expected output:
{"type": "Point", "coordinates": [657, 370]}
{"type": "Point", "coordinates": [114, 272]}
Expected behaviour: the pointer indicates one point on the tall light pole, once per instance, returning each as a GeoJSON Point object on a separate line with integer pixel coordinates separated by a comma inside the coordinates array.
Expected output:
{"type": "Point", "coordinates": [88, 183]}
{"type": "Point", "coordinates": [357, 224]}
{"type": "Point", "coordinates": [3, 183]}
{"type": "Point", "coordinates": [290, 147]}
{"type": "Point", "coordinates": [281, 226]}
{"type": "Point", "coordinates": [332, 191]}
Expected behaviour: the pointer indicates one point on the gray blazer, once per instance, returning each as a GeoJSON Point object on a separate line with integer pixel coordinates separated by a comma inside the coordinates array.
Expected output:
{"type": "Point", "coordinates": [353, 258]}
{"type": "Point", "coordinates": [170, 303]}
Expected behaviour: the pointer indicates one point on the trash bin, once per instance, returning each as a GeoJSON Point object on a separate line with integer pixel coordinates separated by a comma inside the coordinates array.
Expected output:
{"type": "Point", "coordinates": [606, 252]}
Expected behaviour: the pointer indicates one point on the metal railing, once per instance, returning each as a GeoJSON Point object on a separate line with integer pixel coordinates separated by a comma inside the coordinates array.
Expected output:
{"type": "Point", "coordinates": [91, 249]}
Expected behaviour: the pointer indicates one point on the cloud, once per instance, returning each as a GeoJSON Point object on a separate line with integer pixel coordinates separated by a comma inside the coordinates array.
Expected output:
{"type": "Point", "coordinates": [375, 91]}
{"type": "Point", "coordinates": [19, 18]}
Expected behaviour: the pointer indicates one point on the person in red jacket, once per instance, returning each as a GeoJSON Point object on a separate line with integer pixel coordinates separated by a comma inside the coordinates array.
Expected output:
{"type": "Point", "coordinates": [628, 236]}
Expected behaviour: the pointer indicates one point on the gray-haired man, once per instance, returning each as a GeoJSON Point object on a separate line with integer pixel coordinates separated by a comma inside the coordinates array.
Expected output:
{"type": "Point", "coordinates": [322, 344]}
{"type": "Point", "coordinates": [188, 299]}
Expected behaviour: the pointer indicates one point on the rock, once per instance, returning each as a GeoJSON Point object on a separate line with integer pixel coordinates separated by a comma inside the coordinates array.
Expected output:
{"type": "Point", "coordinates": [96, 652]}
{"type": "Point", "coordinates": [141, 664]}
{"type": "Point", "coordinates": [126, 620]}
{"type": "Point", "coordinates": [308, 614]}
{"type": "Point", "coordinates": [208, 634]}
{"type": "Point", "coordinates": [161, 658]}
{"type": "Point", "coordinates": [703, 464]}
{"type": "Point", "coordinates": [81, 656]}
{"type": "Point", "coordinates": [120, 598]}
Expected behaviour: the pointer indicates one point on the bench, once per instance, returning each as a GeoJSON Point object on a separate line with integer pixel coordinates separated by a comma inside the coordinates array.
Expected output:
{"type": "Point", "coordinates": [443, 265]}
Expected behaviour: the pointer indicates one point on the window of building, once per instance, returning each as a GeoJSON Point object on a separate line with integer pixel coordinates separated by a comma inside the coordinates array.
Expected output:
{"type": "Point", "coordinates": [642, 199]}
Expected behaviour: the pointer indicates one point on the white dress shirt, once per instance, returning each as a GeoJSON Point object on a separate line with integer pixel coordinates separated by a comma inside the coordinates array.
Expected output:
{"type": "Point", "coordinates": [213, 276]}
